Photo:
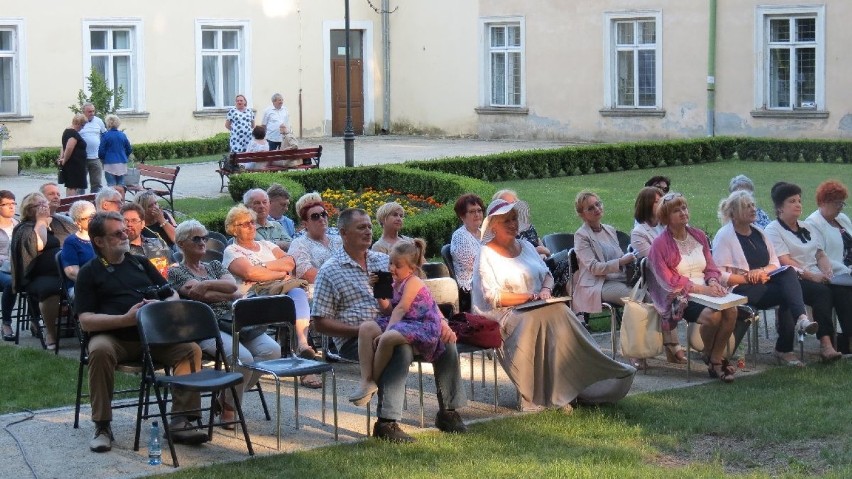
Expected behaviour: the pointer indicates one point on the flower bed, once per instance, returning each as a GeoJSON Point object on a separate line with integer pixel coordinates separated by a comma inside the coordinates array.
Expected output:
{"type": "Point", "coordinates": [371, 200]}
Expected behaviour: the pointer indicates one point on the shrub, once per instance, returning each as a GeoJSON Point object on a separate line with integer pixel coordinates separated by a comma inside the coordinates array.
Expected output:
{"type": "Point", "coordinates": [435, 227]}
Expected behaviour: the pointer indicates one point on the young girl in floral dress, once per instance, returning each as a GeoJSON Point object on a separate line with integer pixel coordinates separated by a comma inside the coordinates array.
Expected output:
{"type": "Point", "coordinates": [411, 317]}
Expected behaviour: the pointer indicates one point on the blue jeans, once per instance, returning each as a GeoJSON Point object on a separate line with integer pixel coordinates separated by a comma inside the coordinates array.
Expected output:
{"type": "Point", "coordinates": [8, 301]}
{"type": "Point", "coordinates": [112, 180]}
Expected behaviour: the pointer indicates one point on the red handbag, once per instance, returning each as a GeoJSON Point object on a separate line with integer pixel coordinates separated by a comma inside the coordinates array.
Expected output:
{"type": "Point", "coordinates": [476, 330]}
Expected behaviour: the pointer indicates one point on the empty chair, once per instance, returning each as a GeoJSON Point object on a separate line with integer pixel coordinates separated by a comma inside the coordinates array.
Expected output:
{"type": "Point", "coordinates": [217, 236]}
{"type": "Point", "coordinates": [214, 244]}
{"type": "Point", "coordinates": [435, 270]}
{"type": "Point", "coordinates": [557, 242]}
{"type": "Point", "coordinates": [447, 256]}
{"type": "Point", "coordinates": [264, 311]}
{"type": "Point", "coordinates": [176, 322]}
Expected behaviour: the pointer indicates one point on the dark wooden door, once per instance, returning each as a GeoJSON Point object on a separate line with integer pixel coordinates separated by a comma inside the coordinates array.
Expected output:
{"type": "Point", "coordinates": [338, 94]}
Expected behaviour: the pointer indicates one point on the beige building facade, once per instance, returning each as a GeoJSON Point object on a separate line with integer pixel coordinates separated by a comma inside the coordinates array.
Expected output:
{"type": "Point", "coordinates": [607, 70]}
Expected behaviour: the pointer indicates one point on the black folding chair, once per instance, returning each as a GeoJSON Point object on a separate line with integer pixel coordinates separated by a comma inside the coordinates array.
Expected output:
{"type": "Point", "coordinates": [176, 322]}
{"type": "Point", "coordinates": [435, 270]}
{"type": "Point", "coordinates": [268, 311]}
{"type": "Point", "coordinates": [557, 242]}
{"type": "Point", "coordinates": [214, 244]}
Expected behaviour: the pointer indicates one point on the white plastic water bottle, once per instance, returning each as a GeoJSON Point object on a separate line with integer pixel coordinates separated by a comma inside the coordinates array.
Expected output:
{"type": "Point", "coordinates": [155, 452]}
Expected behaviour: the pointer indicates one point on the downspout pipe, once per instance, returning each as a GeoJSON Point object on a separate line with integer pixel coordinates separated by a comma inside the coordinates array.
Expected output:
{"type": "Point", "coordinates": [711, 72]}
{"type": "Point", "coordinates": [386, 83]}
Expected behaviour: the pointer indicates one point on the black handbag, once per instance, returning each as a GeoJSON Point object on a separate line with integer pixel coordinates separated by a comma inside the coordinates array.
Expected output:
{"type": "Point", "coordinates": [60, 176]}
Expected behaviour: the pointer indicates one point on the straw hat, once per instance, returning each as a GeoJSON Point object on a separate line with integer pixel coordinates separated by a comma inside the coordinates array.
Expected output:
{"type": "Point", "coordinates": [501, 207]}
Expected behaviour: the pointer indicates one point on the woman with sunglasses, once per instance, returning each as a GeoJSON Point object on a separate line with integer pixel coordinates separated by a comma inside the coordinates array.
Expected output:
{"type": "Point", "coordinates": [833, 226]}
{"type": "Point", "coordinates": [211, 283]}
{"type": "Point", "coordinates": [254, 261]}
{"type": "Point", "coordinates": [315, 246]}
{"type": "Point", "coordinates": [601, 277]}
{"type": "Point", "coordinates": [681, 263]}
{"type": "Point", "coordinates": [748, 263]}
{"type": "Point", "coordinates": [798, 248]}
{"type": "Point", "coordinates": [33, 252]}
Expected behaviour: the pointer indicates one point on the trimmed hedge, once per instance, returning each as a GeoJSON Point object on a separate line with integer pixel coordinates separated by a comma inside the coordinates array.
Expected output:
{"type": "Point", "coordinates": [435, 227]}
{"type": "Point", "coordinates": [521, 165]}
{"type": "Point", "coordinates": [572, 160]}
{"type": "Point", "coordinates": [142, 152]}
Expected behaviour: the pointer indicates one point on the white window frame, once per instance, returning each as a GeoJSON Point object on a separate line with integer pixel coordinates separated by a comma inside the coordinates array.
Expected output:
{"type": "Point", "coordinates": [761, 47]}
{"type": "Point", "coordinates": [137, 56]}
{"type": "Point", "coordinates": [610, 52]}
{"type": "Point", "coordinates": [485, 24]}
{"type": "Point", "coordinates": [245, 63]}
{"type": "Point", "coordinates": [20, 89]}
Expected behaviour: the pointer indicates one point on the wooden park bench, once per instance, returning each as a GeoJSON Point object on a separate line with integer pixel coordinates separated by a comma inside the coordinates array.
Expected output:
{"type": "Point", "coordinates": [160, 180]}
{"type": "Point", "coordinates": [234, 163]}
{"type": "Point", "coordinates": [65, 203]}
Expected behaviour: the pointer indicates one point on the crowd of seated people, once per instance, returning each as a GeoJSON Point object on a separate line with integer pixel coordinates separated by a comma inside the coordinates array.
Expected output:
{"type": "Point", "coordinates": [498, 261]}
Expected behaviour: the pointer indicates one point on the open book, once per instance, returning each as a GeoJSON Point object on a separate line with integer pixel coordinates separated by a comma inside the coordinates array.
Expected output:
{"type": "Point", "coordinates": [541, 302]}
{"type": "Point", "coordinates": [718, 303]}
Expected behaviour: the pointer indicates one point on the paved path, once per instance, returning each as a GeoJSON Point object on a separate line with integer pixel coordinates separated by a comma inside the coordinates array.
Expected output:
{"type": "Point", "coordinates": [56, 450]}
{"type": "Point", "coordinates": [200, 180]}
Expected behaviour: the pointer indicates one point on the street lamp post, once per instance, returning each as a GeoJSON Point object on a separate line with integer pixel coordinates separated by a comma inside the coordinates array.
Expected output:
{"type": "Point", "coordinates": [348, 132]}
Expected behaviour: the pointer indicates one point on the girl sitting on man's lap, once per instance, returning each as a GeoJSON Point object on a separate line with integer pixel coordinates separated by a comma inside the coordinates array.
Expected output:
{"type": "Point", "coordinates": [411, 317]}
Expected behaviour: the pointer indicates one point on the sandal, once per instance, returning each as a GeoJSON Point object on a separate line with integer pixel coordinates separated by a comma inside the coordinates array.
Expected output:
{"type": "Point", "coordinates": [728, 367]}
{"type": "Point", "coordinates": [8, 333]}
{"type": "Point", "coordinates": [717, 370]}
{"type": "Point", "coordinates": [311, 381]}
{"type": "Point", "coordinates": [828, 353]}
{"type": "Point", "coordinates": [674, 353]}
{"type": "Point", "coordinates": [788, 359]}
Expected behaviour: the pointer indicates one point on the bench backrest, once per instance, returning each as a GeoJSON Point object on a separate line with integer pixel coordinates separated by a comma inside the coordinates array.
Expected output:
{"type": "Point", "coordinates": [277, 155]}
{"type": "Point", "coordinates": [65, 203]}
{"type": "Point", "coordinates": [160, 172]}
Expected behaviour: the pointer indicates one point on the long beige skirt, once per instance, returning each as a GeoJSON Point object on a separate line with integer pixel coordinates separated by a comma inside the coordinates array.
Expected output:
{"type": "Point", "coordinates": [552, 359]}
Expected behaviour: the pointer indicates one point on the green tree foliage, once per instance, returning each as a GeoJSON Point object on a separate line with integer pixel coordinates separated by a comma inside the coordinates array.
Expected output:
{"type": "Point", "coordinates": [106, 100]}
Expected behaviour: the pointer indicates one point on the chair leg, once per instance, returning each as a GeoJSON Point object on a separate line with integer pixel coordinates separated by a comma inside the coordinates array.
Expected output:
{"type": "Point", "coordinates": [494, 364]}
{"type": "Point", "coordinates": [420, 384]}
{"type": "Point", "coordinates": [472, 380]}
{"type": "Point", "coordinates": [166, 427]}
{"type": "Point", "coordinates": [79, 395]}
{"type": "Point", "coordinates": [483, 368]}
{"type": "Point", "coordinates": [334, 402]}
{"type": "Point", "coordinates": [239, 408]}
{"type": "Point", "coordinates": [278, 409]}
{"type": "Point", "coordinates": [689, 327]}
{"type": "Point", "coordinates": [263, 402]}
{"type": "Point", "coordinates": [613, 326]}
{"type": "Point", "coordinates": [323, 397]}
{"type": "Point", "coordinates": [296, 399]}
{"type": "Point", "coordinates": [369, 413]}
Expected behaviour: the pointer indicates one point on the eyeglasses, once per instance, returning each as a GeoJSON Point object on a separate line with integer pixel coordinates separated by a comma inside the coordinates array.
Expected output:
{"type": "Point", "coordinates": [247, 224]}
{"type": "Point", "coordinates": [840, 204]}
{"type": "Point", "coordinates": [317, 216]}
{"type": "Point", "coordinates": [477, 211]}
{"type": "Point", "coordinates": [9, 204]}
{"type": "Point", "coordinates": [117, 202]}
{"type": "Point", "coordinates": [132, 221]}
{"type": "Point", "coordinates": [200, 239]}
{"type": "Point", "coordinates": [596, 206]}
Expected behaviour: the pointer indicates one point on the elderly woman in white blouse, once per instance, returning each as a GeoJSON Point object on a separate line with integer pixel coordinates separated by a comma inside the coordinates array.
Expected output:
{"type": "Point", "coordinates": [547, 353]}
{"type": "Point", "coordinates": [315, 246]}
{"type": "Point", "coordinates": [834, 227]}
{"type": "Point", "coordinates": [798, 247]}
{"type": "Point", "coordinates": [464, 245]}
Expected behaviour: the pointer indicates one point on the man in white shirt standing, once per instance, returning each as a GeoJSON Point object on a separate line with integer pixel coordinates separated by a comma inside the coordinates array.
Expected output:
{"type": "Point", "coordinates": [91, 133]}
{"type": "Point", "coordinates": [274, 117]}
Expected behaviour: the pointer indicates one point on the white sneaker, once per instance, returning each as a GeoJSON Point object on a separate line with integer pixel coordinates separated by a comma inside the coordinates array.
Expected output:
{"type": "Point", "coordinates": [806, 326]}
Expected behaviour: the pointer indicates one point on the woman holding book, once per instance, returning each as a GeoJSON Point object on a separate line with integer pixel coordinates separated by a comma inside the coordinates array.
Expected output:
{"type": "Point", "coordinates": [547, 353]}
{"type": "Point", "coordinates": [682, 264]}
{"type": "Point", "coordinates": [748, 263]}
{"type": "Point", "coordinates": [799, 248]}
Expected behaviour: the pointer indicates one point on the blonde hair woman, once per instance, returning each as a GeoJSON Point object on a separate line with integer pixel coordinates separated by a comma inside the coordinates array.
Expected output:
{"type": "Point", "coordinates": [72, 160]}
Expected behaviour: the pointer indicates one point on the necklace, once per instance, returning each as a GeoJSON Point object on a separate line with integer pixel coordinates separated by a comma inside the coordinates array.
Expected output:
{"type": "Point", "coordinates": [598, 229]}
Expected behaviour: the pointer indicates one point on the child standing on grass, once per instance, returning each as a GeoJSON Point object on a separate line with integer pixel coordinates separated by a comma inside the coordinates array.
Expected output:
{"type": "Point", "coordinates": [414, 318]}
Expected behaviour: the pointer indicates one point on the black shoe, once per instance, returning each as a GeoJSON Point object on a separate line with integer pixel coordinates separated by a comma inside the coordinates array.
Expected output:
{"type": "Point", "coordinates": [450, 421]}
{"type": "Point", "coordinates": [190, 437]}
{"type": "Point", "coordinates": [390, 431]}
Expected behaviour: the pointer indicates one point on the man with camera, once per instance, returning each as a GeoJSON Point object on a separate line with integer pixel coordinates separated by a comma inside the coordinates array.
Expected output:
{"type": "Point", "coordinates": [110, 289]}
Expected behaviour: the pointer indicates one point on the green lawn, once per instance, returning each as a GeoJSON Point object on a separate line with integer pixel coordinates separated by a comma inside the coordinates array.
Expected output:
{"type": "Point", "coordinates": [783, 423]}
{"type": "Point", "coordinates": [552, 200]}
